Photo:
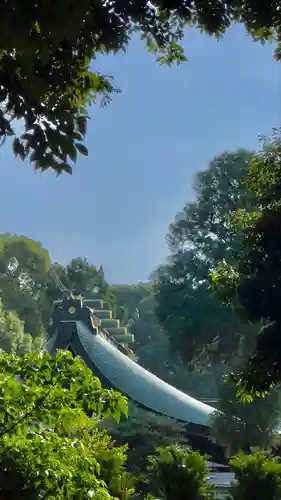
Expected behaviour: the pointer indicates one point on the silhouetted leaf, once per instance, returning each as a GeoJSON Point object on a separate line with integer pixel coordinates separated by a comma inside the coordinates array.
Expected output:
{"type": "Point", "coordinates": [81, 148]}
{"type": "Point", "coordinates": [18, 148]}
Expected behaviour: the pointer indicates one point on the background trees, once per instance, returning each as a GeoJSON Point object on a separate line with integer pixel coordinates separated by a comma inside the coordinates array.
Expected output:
{"type": "Point", "coordinates": [23, 270]}
{"type": "Point", "coordinates": [27, 287]}
{"type": "Point", "coordinates": [251, 282]}
{"type": "Point", "coordinates": [13, 338]}
{"type": "Point", "coordinates": [199, 327]}
{"type": "Point", "coordinates": [46, 76]}
{"type": "Point", "coordinates": [206, 333]}
{"type": "Point", "coordinates": [242, 426]}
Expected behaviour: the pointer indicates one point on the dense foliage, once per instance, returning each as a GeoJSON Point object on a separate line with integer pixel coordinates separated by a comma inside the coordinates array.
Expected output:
{"type": "Point", "coordinates": [49, 448]}
{"type": "Point", "coordinates": [47, 74]}
{"type": "Point", "coordinates": [258, 477]}
{"type": "Point", "coordinates": [205, 332]}
{"type": "Point", "coordinates": [239, 425]}
{"type": "Point", "coordinates": [176, 469]}
{"type": "Point", "coordinates": [23, 267]}
{"type": "Point", "coordinates": [13, 338]}
{"type": "Point", "coordinates": [27, 287]}
{"type": "Point", "coordinates": [251, 281]}
{"type": "Point", "coordinates": [198, 326]}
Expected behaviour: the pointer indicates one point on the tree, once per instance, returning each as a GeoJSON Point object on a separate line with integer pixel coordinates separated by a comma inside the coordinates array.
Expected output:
{"type": "Point", "coordinates": [23, 269]}
{"type": "Point", "coordinates": [198, 326]}
{"type": "Point", "coordinates": [238, 425]}
{"type": "Point", "coordinates": [250, 283]}
{"type": "Point", "coordinates": [202, 330]}
{"type": "Point", "coordinates": [84, 277]}
{"type": "Point", "coordinates": [13, 338]}
{"type": "Point", "coordinates": [177, 471]}
{"type": "Point", "coordinates": [24, 259]}
{"type": "Point", "coordinates": [257, 477]}
{"type": "Point", "coordinates": [80, 276]}
{"type": "Point", "coordinates": [153, 349]}
{"type": "Point", "coordinates": [152, 344]}
{"type": "Point", "coordinates": [46, 78]}
{"type": "Point", "coordinates": [49, 448]}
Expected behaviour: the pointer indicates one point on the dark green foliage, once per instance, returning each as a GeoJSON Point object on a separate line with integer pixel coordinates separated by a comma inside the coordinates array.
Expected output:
{"type": "Point", "coordinates": [80, 276]}
{"type": "Point", "coordinates": [200, 328]}
{"type": "Point", "coordinates": [13, 338]}
{"type": "Point", "coordinates": [177, 472]}
{"type": "Point", "coordinates": [23, 268]}
{"type": "Point", "coordinates": [27, 287]}
{"type": "Point", "coordinates": [241, 425]}
{"type": "Point", "coordinates": [152, 344]}
{"type": "Point", "coordinates": [45, 75]}
{"type": "Point", "coordinates": [251, 282]}
{"type": "Point", "coordinates": [258, 477]}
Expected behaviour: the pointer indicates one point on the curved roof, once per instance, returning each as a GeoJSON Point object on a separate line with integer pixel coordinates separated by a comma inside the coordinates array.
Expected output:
{"type": "Point", "coordinates": [123, 374]}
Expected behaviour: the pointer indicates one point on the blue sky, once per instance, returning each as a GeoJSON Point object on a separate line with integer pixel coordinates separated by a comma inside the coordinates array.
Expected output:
{"type": "Point", "coordinates": [144, 150]}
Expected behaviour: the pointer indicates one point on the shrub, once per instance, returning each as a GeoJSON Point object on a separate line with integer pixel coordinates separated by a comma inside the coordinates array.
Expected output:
{"type": "Point", "coordinates": [258, 476]}
{"type": "Point", "coordinates": [176, 472]}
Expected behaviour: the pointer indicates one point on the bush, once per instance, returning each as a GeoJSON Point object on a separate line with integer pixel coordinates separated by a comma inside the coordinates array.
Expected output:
{"type": "Point", "coordinates": [258, 477]}
{"type": "Point", "coordinates": [176, 472]}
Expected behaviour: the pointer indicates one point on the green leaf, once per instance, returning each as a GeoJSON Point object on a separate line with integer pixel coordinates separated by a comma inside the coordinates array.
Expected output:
{"type": "Point", "coordinates": [123, 407]}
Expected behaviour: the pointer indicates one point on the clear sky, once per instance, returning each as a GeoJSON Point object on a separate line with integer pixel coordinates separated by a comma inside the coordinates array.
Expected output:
{"type": "Point", "coordinates": [144, 150]}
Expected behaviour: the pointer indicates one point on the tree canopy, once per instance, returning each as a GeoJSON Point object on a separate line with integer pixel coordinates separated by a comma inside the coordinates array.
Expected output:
{"type": "Point", "coordinates": [198, 325]}
{"type": "Point", "coordinates": [206, 333]}
{"type": "Point", "coordinates": [13, 338]}
{"type": "Point", "coordinates": [23, 270]}
{"type": "Point", "coordinates": [49, 447]}
{"type": "Point", "coordinates": [250, 283]}
{"type": "Point", "coordinates": [47, 67]}
{"type": "Point", "coordinates": [27, 287]}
